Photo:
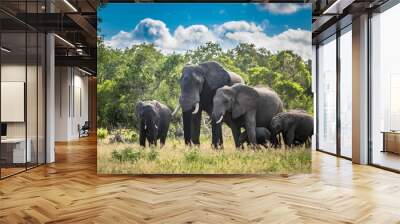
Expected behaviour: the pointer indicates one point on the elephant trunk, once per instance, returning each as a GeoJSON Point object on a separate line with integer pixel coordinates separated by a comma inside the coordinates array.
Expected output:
{"type": "Point", "coordinates": [275, 138]}
{"type": "Point", "coordinates": [187, 126]}
{"type": "Point", "coordinates": [217, 116]}
{"type": "Point", "coordinates": [152, 130]}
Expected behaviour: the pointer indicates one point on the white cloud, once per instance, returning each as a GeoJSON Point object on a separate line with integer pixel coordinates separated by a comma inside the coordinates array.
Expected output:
{"type": "Point", "coordinates": [192, 36]}
{"type": "Point", "coordinates": [121, 40]}
{"type": "Point", "coordinates": [237, 26]}
{"type": "Point", "coordinates": [283, 8]}
{"type": "Point", "coordinates": [228, 35]}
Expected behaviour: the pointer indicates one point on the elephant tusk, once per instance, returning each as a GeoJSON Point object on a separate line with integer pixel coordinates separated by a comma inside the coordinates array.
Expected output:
{"type": "Point", "coordinates": [176, 109]}
{"type": "Point", "coordinates": [219, 121]}
{"type": "Point", "coordinates": [196, 109]}
{"type": "Point", "coordinates": [156, 126]}
{"type": "Point", "coordinates": [145, 127]}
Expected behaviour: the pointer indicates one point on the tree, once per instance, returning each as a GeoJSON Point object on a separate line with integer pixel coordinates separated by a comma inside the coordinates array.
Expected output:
{"type": "Point", "coordinates": [142, 72]}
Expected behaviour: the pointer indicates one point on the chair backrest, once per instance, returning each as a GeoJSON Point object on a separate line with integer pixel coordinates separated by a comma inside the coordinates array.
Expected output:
{"type": "Point", "coordinates": [85, 125]}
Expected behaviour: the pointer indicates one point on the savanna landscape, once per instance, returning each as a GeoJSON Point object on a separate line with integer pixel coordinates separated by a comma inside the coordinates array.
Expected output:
{"type": "Point", "coordinates": [143, 71]}
{"type": "Point", "coordinates": [122, 82]}
{"type": "Point", "coordinates": [176, 158]}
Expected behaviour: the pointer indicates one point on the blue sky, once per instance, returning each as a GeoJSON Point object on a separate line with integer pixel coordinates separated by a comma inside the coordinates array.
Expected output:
{"type": "Point", "coordinates": [174, 27]}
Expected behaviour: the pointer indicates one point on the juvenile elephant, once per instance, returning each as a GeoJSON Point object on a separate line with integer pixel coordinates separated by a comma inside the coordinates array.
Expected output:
{"type": "Point", "coordinates": [198, 86]}
{"type": "Point", "coordinates": [154, 118]}
{"type": "Point", "coordinates": [263, 136]}
{"type": "Point", "coordinates": [244, 106]}
{"type": "Point", "coordinates": [296, 126]}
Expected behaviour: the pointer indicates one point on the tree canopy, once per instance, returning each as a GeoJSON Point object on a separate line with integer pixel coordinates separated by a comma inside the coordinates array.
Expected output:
{"type": "Point", "coordinates": [143, 72]}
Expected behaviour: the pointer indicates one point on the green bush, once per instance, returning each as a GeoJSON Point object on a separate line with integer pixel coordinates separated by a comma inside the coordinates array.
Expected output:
{"type": "Point", "coordinates": [102, 133]}
{"type": "Point", "coordinates": [152, 155]}
{"type": "Point", "coordinates": [127, 154]}
{"type": "Point", "coordinates": [130, 136]}
{"type": "Point", "coordinates": [192, 156]}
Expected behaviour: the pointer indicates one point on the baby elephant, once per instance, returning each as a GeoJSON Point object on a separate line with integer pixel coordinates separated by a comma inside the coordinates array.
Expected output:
{"type": "Point", "coordinates": [263, 136]}
{"type": "Point", "coordinates": [154, 118]}
{"type": "Point", "coordinates": [296, 126]}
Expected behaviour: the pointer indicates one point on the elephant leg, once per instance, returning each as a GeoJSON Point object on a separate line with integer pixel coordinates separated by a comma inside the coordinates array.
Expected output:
{"type": "Point", "coordinates": [195, 130]}
{"type": "Point", "coordinates": [251, 129]}
{"type": "Point", "coordinates": [221, 140]}
{"type": "Point", "coordinates": [149, 141]}
{"type": "Point", "coordinates": [162, 140]}
{"type": "Point", "coordinates": [142, 136]}
{"type": "Point", "coordinates": [163, 137]}
{"type": "Point", "coordinates": [243, 139]}
{"type": "Point", "coordinates": [236, 134]}
{"type": "Point", "coordinates": [216, 134]}
{"type": "Point", "coordinates": [308, 142]}
{"type": "Point", "coordinates": [187, 123]}
{"type": "Point", "coordinates": [275, 141]}
{"type": "Point", "coordinates": [142, 139]}
{"type": "Point", "coordinates": [289, 136]}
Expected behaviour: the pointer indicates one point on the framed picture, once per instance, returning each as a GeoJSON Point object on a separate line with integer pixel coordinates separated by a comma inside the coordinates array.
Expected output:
{"type": "Point", "coordinates": [201, 88]}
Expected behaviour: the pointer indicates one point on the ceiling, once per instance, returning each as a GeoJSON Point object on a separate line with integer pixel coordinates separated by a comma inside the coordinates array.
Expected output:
{"type": "Point", "coordinates": [330, 15]}
{"type": "Point", "coordinates": [73, 21]}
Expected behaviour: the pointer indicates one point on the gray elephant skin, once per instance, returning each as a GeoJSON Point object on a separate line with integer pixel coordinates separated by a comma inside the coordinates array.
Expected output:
{"type": "Point", "coordinates": [199, 84]}
{"type": "Point", "coordinates": [263, 137]}
{"type": "Point", "coordinates": [154, 119]}
{"type": "Point", "coordinates": [296, 127]}
{"type": "Point", "coordinates": [240, 106]}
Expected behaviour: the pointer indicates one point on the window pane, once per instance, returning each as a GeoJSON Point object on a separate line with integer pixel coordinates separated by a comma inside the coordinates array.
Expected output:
{"type": "Point", "coordinates": [14, 153]}
{"type": "Point", "coordinates": [385, 84]}
{"type": "Point", "coordinates": [327, 96]}
{"type": "Point", "coordinates": [346, 93]}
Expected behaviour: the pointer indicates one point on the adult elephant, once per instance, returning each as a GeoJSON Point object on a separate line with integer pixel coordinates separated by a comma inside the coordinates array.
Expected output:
{"type": "Point", "coordinates": [296, 126]}
{"type": "Point", "coordinates": [244, 106]}
{"type": "Point", "coordinates": [154, 118]}
{"type": "Point", "coordinates": [198, 86]}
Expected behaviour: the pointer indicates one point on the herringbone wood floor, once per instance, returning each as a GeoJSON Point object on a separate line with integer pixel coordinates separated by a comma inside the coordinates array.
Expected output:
{"type": "Point", "coordinates": [69, 191]}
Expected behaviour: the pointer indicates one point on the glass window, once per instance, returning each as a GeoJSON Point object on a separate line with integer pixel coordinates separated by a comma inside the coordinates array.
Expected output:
{"type": "Point", "coordinates": [327, 96]}
{"type": "Point", "coordinates": [14, 153]}
{"type": "Point", "coordinates": [346, 92]}
{"type": "Point", "coordinates": [22, 90]}
{"type": "Point", "coordinates": [385, 89]}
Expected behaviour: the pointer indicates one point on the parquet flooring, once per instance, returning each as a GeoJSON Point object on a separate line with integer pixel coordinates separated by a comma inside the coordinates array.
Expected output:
{"type": "Point", "coordinates": [69, 191]}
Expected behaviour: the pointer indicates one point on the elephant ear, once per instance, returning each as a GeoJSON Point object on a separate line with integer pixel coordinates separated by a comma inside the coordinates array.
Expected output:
{"type": "Point", "coordinates": [215, 75]}
{"type": "Point", "coordinates": [245, 100]}
{"type": "Point", "coordinates": [139, 107]}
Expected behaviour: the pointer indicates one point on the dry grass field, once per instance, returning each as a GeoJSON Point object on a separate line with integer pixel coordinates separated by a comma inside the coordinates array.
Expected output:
{"type": "Point", "coordinates": [176, 158]}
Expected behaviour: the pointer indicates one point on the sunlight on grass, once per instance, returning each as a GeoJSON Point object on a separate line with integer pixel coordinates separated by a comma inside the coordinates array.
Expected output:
{"type": "Point", "coordinates": [176, 158]}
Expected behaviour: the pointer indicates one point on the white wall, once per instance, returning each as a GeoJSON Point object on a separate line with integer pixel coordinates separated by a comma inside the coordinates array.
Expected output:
{"type": "Point", "coordinates": [70, 83]}
{"type": "Point", "coordinates": [62, 81]}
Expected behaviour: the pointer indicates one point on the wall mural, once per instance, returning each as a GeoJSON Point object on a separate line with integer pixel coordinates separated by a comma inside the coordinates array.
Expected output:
{"type": "Point", "coordinates": [204, 88]}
